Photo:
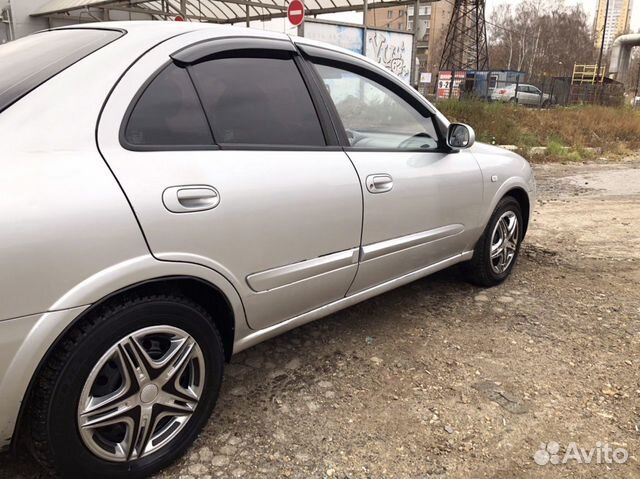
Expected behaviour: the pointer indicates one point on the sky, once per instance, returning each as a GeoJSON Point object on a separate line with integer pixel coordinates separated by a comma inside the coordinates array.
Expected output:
{"type": "Point", "coordinates": [590, 6]}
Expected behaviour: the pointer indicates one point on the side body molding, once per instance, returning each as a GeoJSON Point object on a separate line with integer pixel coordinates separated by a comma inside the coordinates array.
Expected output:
{"type": "Point", "coordinates": [284, 275]}
{"type": "Point", "coordinates": [398, 244]}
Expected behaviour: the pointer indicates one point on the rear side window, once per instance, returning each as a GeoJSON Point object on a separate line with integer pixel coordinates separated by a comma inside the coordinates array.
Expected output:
{"type": "Point", "coordinates": [257, 101]}
{"type": "Point", "coordinates": [168, 113]}
{"type": "Point", "coordinates": [27, 63]}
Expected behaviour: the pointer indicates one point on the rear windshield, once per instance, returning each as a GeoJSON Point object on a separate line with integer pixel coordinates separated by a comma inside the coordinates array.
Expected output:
{"type": "Point", "coordinates": [27, 63]}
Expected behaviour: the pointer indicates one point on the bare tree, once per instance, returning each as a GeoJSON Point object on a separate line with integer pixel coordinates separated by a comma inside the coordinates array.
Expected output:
{"type": "Point", "coordinates": [541, 37]}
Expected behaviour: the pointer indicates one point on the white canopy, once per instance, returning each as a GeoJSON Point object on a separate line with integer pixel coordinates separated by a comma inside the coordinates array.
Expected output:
{"type": "Point", "coordinates": [218, 11]}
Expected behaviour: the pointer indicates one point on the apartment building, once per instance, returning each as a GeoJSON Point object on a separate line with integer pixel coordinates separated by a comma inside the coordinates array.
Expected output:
{"type": "Point", "coordinates": [618, 21]}
{"type": "Point", "coordinates": [433, 21]}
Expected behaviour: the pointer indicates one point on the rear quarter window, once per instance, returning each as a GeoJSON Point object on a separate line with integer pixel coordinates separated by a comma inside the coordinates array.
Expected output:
{"type": "Point", "coordinates": [27, 63]}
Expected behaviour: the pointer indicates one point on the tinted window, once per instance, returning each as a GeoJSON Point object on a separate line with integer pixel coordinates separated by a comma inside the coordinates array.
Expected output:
{"type": "Point", "coordinates": [374, 116]}
{"type": "Point", "coordinates": [257, 101]}
{"type": "Point", "coordinates": [169, 113]}
{"type": "Point", "coordinates": [27, 63]}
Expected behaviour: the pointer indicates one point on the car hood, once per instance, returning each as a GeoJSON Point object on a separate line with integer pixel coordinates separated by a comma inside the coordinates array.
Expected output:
{"type": "Point", "coordinates": [486, 149]}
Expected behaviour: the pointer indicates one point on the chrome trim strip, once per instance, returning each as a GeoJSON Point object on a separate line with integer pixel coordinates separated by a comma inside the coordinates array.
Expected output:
{"type": "Point", "coordinates": [283, 275]}
{"type": "Point", "coordinates": [277, 329]}
{"type": "Point", "coordinates": [376, 250]}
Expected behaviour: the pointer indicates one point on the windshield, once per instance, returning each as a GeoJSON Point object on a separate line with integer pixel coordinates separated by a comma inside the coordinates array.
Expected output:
{"type": "Point", "coordinates": [27, 63]}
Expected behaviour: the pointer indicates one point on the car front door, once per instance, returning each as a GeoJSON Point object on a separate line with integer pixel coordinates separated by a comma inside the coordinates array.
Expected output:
{"type": "Point", "coordinates": [523, 94]}
{"type": "Point", "coordinates": [421, 201]}
{"type": "Point", "coordinates": [536, 95]}
{"type": "Point", "coordinates": [228, 161]}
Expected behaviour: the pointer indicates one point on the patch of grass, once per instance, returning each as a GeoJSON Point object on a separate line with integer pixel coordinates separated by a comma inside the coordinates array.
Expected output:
{"type": "Point", "coordinates": [612, 131]}
{"type": "Point", "coordinates": [555, 150]}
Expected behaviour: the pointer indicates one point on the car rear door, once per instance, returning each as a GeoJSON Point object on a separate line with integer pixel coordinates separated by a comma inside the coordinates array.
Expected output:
{"type": "Point", "coordinates": [229, 161]}
{"type": "Point", "coordinates": [421, 201]}
{"type": "Point", "coordinates": [529, 96]}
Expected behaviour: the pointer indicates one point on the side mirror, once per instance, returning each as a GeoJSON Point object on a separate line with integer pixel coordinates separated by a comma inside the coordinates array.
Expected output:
{"type": "Point", "coordinates": [460, 136]}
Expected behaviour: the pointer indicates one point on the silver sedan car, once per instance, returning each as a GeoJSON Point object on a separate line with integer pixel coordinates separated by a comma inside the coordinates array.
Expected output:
{"type": "Point", "coordinates": [174, 193]}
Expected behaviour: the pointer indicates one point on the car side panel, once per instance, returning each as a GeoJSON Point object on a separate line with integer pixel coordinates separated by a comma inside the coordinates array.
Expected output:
{"type": "Point", "coordinates": [63, 216]}
{"type": "Point", "coordinates": [502, 171]}
{"type": "Point", "coordinates": [431, 213]}
{"type": "Point", "coordinates": [279, 211]}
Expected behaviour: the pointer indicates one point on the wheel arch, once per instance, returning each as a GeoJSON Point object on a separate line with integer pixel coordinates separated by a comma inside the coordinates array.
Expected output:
{"type": "Point", "coordinates": [521, 196]}
{"type": "Point", "coordinates": [203, 292]}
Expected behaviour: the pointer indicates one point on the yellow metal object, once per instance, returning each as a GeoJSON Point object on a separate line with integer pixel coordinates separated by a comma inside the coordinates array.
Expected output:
{"type": "Point", "coordinates": [587, 74]}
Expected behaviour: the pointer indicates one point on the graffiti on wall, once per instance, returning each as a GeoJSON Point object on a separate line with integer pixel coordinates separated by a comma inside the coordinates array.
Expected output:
{"type": "Point", "coordinates": [392, 50]}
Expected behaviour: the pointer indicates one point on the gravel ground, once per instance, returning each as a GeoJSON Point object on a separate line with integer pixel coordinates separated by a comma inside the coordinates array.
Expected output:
{"type": "Point", "coordinates": [442, 379]}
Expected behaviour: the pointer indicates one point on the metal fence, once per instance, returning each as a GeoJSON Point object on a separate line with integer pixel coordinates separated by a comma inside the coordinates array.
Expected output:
{"type": "Point", "coordinates": [512, 87]}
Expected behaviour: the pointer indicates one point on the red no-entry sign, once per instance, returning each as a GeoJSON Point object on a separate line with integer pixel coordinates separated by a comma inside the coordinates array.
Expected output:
{"type": "Point", "coordinates": [295, 12]}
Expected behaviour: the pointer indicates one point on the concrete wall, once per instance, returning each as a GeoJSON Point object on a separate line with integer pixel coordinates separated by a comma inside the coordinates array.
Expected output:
{"type": "Point", "coordinates": [24, 24]}
{"type": "Point", "coordinates": [4, 27]}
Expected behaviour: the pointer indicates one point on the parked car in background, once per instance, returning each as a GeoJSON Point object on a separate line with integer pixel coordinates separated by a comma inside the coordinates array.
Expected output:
{"type": "Point", "coordinates": [526, 95]}
{"type": "Point", "coordinates": [176, 192]}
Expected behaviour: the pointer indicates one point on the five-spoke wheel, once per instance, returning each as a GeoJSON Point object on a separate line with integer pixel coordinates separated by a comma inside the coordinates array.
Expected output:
{"type": "Point", "coordinates": [497, 250]}
{"type": "Point", "coordinates": [504, 242]}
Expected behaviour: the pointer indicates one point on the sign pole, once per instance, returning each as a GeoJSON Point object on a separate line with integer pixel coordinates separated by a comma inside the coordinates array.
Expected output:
{"type": "Point", "coordinates": [415, 72]}
{"type": "Point", "coordinates": [365, 8]}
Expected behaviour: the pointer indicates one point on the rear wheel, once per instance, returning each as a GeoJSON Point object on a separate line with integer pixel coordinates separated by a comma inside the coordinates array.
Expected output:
{"type": "Point", "coordinates": [128, 390]}
{"type": "Point", "coordinates": [497, 250]}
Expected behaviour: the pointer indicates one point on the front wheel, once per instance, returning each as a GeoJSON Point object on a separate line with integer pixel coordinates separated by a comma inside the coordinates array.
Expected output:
{"type": "Point", "coordinates": [497, 250]}
{"type": "Point", "coordinates": [127, 390]}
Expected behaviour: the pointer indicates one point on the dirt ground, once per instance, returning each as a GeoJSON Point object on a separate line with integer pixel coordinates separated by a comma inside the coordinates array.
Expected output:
{"type": "Point", "coordinates": [445, 380]}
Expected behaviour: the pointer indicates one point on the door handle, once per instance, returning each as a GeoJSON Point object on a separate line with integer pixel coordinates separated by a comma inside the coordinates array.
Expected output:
{"type": "Point", "coordinates": [190, 198]}
{"type": "Point", "coordinates": [379, 183]}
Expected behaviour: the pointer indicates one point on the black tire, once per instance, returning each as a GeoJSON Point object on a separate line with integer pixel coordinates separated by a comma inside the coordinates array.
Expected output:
{"type": "Point", "coordinates": [513, 100]}
{"type": "Point", "coordinates": [52, 431]}
{"type": "Point", "coordinates": [479, 270]}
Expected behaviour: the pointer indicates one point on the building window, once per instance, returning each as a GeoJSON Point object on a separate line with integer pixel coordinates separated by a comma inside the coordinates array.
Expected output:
{"type": "Point", "coordinates": [389, 14]}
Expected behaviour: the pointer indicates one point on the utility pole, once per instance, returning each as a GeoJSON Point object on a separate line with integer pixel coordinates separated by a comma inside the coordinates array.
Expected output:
{"type": "Point", "coordinates": [637, 87]}
{"type": "Point", "coordinates": [415, 73]}
{"type": "Point", "coordinates": [604, 32]}
{"type": "Point", "coordinates": [465, 46]}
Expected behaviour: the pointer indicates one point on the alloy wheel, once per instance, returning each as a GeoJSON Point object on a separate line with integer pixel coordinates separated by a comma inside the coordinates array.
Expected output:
{"type": "Point", "coordinates": [504, 242]}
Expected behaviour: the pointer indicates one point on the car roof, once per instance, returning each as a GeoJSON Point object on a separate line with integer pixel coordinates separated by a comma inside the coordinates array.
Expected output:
{"type": "Point", "coordinates": [161, 29]}
{"type": "Point", "coordinates": [171, 28]}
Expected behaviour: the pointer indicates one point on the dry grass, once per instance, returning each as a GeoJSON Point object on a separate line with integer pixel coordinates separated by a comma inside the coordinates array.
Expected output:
{"type": "Point", "coordinates": [568, 133]}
